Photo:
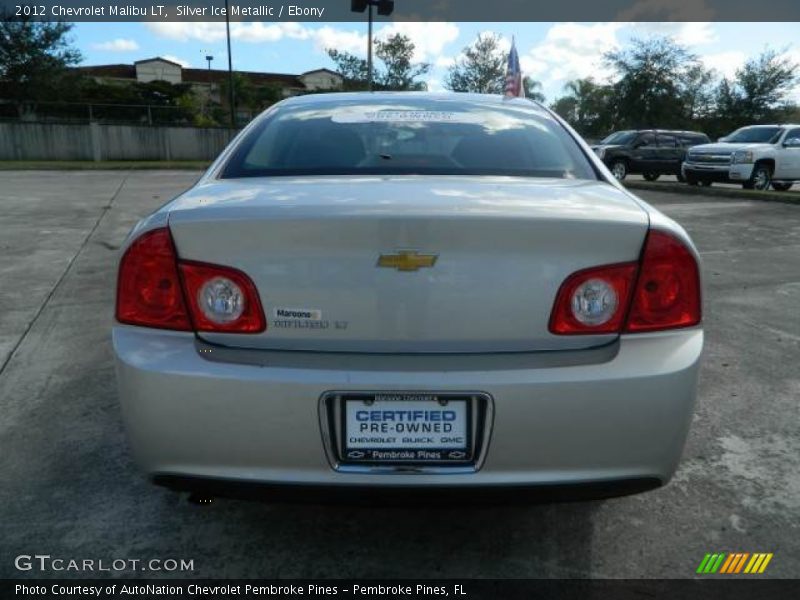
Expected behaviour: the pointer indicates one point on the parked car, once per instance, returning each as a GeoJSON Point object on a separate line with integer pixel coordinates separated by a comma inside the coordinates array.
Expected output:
{"type": "Point", "coordinates": [392, 291]}
{"type": "Point", "coordinates": [650, 152]}
{"type": "Point", "coordinates": [756, 156]}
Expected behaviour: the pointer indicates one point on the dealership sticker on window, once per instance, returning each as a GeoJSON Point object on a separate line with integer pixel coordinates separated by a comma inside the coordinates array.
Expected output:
{"type": "Point", "coordinates": [404, 116]}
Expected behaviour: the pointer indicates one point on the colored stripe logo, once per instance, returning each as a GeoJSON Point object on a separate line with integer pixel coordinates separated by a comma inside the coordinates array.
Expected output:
{"type": "Point", "coordinates": [734, 563]}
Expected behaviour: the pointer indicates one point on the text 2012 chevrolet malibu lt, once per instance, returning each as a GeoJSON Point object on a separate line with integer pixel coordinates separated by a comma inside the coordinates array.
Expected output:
{"type": "Point", "coordinates": [408, 290]}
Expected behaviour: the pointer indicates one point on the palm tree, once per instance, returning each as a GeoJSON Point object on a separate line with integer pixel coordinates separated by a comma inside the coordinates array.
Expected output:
{"type": "Point", "coordinates": [533, 89]}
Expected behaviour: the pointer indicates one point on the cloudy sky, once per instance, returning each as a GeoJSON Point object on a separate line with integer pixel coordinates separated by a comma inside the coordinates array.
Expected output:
{"type": "Point", "coordinates": [552, 53]}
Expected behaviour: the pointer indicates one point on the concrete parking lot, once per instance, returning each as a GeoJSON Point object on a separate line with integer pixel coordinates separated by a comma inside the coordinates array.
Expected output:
{"type": "Point", "coordinates": [68, 487]}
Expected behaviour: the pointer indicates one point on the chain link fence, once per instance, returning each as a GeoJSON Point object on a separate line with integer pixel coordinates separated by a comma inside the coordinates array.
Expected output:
{"type": "Point", "coordinates": [118, 114]}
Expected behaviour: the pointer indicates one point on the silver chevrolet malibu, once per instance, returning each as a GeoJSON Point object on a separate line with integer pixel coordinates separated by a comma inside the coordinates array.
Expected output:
{"type": "Point", "coordinates": [401, 291]}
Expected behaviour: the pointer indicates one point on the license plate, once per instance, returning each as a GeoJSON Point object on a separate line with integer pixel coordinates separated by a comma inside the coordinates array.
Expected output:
{"type": "Point", "coordinates": [407, 428]}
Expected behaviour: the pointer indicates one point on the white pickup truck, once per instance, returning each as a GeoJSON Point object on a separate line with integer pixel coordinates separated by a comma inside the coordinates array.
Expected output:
{"type": "Point", "coordinates": [757, 157]}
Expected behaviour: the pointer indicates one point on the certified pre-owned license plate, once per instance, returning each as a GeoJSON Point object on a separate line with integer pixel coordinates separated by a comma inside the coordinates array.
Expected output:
{"type": "Point", "coordinates": [406, 428]}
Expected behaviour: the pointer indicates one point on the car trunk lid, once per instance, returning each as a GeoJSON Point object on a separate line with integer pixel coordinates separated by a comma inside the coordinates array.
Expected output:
{"type": "Point", "coordinates": [407, 264]}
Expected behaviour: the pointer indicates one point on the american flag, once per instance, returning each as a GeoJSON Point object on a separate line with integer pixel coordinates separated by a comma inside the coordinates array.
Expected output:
{"type": "Point", "coordinates": [514, 87]}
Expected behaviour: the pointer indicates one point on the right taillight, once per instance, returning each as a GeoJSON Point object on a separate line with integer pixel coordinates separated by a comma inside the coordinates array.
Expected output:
{"type": "Point", "coordinates": [593, 301]}
{"type": "Point", "coordinates": [661, 291]}
{"type": "Point", "coordinates": [667, 291]}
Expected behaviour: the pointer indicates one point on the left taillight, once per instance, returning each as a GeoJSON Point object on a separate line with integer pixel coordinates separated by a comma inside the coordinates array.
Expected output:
{"type": "Point", "coordinates": [156, 289]}
{"type": "Point", "coordinates": [148, 286]}
{"type": "Point", "coordinates": [222, 299]}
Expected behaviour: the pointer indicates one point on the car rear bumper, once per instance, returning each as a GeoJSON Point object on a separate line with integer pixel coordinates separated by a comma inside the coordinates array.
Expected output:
{"type": "Point", "coordinates": [415, 495]}
{"type": "Point", "coordinates": [618, 413]}
{"type": "Point", "coordinates": [670, 168]}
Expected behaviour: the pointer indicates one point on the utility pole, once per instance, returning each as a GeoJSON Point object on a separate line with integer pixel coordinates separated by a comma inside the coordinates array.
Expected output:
{"type": "Point", "coordinates": [231, 98]}
{"type": "Point", "coordinates": [369, 48]}
{"type": "Point", "coordinates": [385, 8]}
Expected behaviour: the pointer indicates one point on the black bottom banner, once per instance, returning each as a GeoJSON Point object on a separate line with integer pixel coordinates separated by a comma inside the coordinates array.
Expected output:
{"type": "Point", "coordinates": [467, 589]}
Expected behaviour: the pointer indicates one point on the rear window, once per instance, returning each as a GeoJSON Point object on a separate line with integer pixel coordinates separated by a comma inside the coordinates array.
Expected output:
{"type": "Point", "coordinates": [693, 139]}
{"type": "Point", "coordinates": [621, 138]}
{"type": "Point", "coordinates": [666, 140]}
{"type": "Point", "coordinates": [409, 136]}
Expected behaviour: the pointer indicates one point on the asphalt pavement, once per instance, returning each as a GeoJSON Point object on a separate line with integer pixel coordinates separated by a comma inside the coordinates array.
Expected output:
{"type": "Point", "coordinates": [68, 487]}
{"type": "Point", "coordinates": [792, 192]}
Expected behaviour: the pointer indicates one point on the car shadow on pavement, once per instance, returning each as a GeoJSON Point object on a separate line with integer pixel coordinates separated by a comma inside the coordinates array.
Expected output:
{"type": "Point", "coordinates": [490, 541]}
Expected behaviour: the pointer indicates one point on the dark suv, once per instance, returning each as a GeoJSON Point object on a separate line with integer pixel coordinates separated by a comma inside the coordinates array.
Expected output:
{"type": "Point", "coordinates": [651, 152]}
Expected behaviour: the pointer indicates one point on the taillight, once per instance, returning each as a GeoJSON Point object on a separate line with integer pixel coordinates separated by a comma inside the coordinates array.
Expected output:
{"type": "Point", "coordinates": [222, 299]}
{"type": "Point", "coordinates": [148, 288]}
{"type": "Point", "coordinates": [667, 293]}
{"type": "Point", "coordinates": [155, 289]}
{"type": "Point", "coordinates": [661, 291]}
{"type": "Point", "coordinates": [593, 301]}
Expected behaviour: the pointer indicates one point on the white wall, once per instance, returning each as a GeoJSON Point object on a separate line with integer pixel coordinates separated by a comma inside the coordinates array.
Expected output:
{"type": "Point", "coordinates": [56, 141]}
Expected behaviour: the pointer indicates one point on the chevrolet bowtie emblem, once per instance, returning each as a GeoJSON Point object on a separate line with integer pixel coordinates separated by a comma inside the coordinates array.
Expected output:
{"type": "Point", "coordinates": [407, 260]}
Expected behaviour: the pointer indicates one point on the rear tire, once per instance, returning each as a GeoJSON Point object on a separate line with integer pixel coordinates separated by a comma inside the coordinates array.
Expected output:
{"type": "Point", "coordinates": [781, 187]}
{"type": "Point", "coordinates": [680, 177]}
{"type": "Point", "coordinates": [651, 176]}
{"type": "Point", "coordinates": [619, 168]}
{"type": "Point", "coordinates": [760, 178]}
{"type": "Point", "coordinates": [691, 180]}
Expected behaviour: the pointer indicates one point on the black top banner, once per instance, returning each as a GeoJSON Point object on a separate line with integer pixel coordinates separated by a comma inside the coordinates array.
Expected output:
{"type": "Point", "coordinates": [405, 10]}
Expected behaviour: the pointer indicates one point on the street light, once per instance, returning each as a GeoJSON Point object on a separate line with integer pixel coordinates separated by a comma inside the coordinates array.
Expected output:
{"type": "Point", "coordinates": [385, 8]}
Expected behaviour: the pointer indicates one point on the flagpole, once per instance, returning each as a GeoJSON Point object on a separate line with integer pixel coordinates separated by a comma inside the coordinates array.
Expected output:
{"type": "Point", "coordinates": [369, 49]}
{"type": "Point", "coordinates": [231, 96]}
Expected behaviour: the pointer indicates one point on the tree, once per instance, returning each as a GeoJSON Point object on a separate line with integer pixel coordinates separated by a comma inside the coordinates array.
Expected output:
{"type": "Point", "coordinates": [533, 89]}
{"type": "Point", "coordinates": [586, 106]}
{"type": "Point", "coordinates": [352, 69]}
{"type": "Point", "coordinates": [248, 96]}
{"type": "Point", "coordinates": [760, 88]}
{"type": "Point", "coordinates": [654, 81]}
{"type": "Point", "coordinates": [400, 73]}
{"type": "Point", "coordinates": [567, 108]}
{"type": "Point", "coordinates": [152, 102]}
{"type": "Point", "coordinates": [481, 68]}
{"type": "Point", "coordinates": [698, 93]}
{"type": "Point", "coordinates": [34, 60]}
{"type": "Point", "coordinates": [160, 92]}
